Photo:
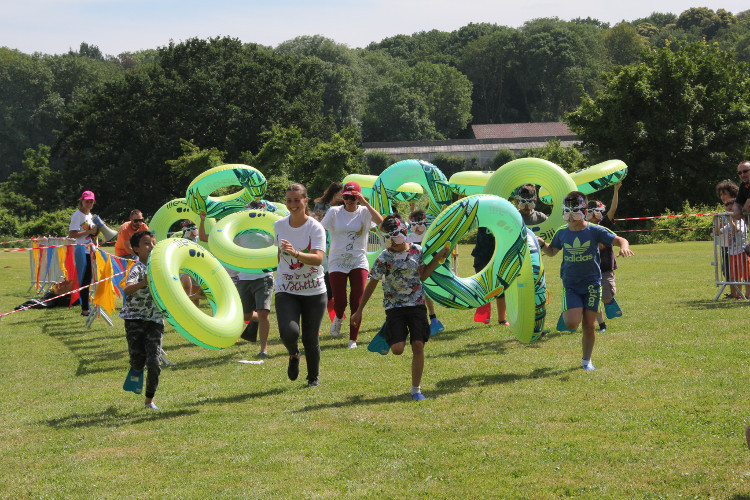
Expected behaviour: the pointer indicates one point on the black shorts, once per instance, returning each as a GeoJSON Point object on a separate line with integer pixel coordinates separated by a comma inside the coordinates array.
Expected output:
{"type": "Point", "coordinates": [401, 322]}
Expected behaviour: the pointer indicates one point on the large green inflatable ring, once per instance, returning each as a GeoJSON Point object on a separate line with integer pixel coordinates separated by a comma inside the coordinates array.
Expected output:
{"type": "Point", "coordinates": [245, 260]}
{"type": "Point", "coordinates": [407, 192]}
{"type": "Point", "coordinates": [421, 172]}
{"type": "Point", "coordinates": [470, 182]}
{"type": "Point", "coordinates": [595, 178]}
{"type": "Point", "coordinates": [534, 171]}
{"type": "Point", "coordinates": [526, 297]}
{"type": "Point", "coordinates": [199, 191]}
{"type": "Point", "coordinates": [172, 212]}
{"type": "Point", "coordinates": [504, 222]}
{"type": "Point", "coordinates": [167, 261]}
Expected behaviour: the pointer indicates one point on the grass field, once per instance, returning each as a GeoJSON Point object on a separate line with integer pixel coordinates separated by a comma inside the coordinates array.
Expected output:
{"type": "Point", "coordinates": [662, 416]}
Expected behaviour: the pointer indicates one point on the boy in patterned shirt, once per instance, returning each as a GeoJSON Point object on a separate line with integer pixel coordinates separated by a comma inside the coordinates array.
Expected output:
{"type": "Point", "coordinates": [144, 326]}
{"type": "Point", "coordinates": [402, 270]}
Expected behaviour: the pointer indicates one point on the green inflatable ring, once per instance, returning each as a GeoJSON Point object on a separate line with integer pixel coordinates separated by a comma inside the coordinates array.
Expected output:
{"type": "Point", "coordinates": [245, 260]}
{"type": "Point", "coordinates": [406, 192]}
{"type": "Point", "coordinates": [199, 191]}
{"type": "Point", "coordinates": [175, 211]}
{"type": "Point", "coordinates": [595, 178]}
{"type": "Point", "coordinates": [505, 223]}
{"type": "Point", "coordinates": [167, 261]}
{"type": "Point", "coordinates": [427, 175]}
{"type": "Point", "coordinates": [470, 182]}
{"type": "Point", "coordinates": [275, 208]}
{"type": "Point", "coordinates": [534, 171]}
{"type": "Point", "coordinates": [526, 297]}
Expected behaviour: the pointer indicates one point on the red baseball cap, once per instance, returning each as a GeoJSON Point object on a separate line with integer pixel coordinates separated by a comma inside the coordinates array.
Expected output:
{"type": "Point", "coordinates": [351, 188]}
{"type": "Point", "coordinates": [88, 195]}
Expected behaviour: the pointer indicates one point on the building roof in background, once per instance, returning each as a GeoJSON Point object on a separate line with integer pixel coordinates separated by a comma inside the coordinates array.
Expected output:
{"type": "Point", "coordinates": [521, 130]}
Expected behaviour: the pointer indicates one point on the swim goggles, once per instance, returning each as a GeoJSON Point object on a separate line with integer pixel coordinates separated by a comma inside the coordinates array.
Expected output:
{"type": "Point", "coordinates": [594, 208]}
{"type": "Point", "coordinates": [420, 222]}
{"type": "Point", "coordinates": [530, 202]}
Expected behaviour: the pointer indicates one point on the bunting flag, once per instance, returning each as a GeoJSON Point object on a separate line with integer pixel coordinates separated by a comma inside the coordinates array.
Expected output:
{"type": "Point", "coordinates": [72, 272]}
{"type": "Point", "coordinates": [61, 252]}
{"type": "Point", "coordinates": [38, 253]}
{"type": "Point", "coordinates": [104, 296]}
{"type": "Point", "coordinates": [117, 268]}
{"type": "Point", "coordinates": [80, 252]}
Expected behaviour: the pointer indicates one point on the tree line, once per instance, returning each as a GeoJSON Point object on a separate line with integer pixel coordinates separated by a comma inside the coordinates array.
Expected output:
{"type": "Point", "coordinates": [667, 94]}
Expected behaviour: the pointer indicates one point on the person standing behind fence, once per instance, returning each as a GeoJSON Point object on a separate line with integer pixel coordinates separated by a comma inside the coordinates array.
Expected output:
{"type": "Point", "coordinates": [727, 192]}
{"type": "Point", "coordinates": [83, 230]}
{"type": "Point", "coordinates": [135, 224]}
{"type": "Point", "coordinates": [742, 200]}
{"type": "Point", "coordinates": [734, 233]}
{"type": "Point", "coordinates": [608, 263]}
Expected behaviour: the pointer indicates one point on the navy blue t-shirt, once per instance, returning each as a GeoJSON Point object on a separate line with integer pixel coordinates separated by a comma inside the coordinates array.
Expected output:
{"type": "Point", "coordinates": [581, 261]}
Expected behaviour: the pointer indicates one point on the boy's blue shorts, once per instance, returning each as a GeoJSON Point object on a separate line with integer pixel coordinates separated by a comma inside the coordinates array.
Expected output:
{"type": "Point", "coordinates": [586, 297]}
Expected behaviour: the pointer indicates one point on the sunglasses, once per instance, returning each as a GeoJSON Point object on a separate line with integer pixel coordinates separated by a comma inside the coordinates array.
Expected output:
{"type": "Point", "coordinates": [349, 197]}
{"type": "Point", "coordinates": [740, 172]}
{"type": "Point", "coordinates": [138, 220]}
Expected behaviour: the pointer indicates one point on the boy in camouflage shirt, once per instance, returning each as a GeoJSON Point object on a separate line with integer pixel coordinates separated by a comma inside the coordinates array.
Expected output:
{"type": "Point", "coordinates": [144, 326]}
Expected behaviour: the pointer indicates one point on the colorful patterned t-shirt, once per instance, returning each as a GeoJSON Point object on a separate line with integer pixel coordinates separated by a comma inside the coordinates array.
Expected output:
{"type": "Point", "coordinates": [399, 272]}
{"type": "Point", "coordinates": [140, 304]}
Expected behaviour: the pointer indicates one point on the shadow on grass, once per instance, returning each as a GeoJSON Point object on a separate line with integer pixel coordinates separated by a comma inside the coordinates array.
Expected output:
{"type": "Point", "coordinates": [112, 417]}
{"type": "Point", "coordinates": [478, 349]}
{"type": "Point", "coordinates": [238, 398]}
{"type": "Point", "coordinates": [444, 387]}
{"type": "Point", "coordinates": [720, 304]}
{"type": "Point", "coordinates": [203, 362]}
{"type": "Point", "coordinates": [740, 496]}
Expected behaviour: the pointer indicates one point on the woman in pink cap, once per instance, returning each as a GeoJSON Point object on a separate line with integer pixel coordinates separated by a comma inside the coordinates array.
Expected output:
{"type": "Point", "coordinates": [84, 231]}
{"type": "Point", "coordinates": [348, 226]}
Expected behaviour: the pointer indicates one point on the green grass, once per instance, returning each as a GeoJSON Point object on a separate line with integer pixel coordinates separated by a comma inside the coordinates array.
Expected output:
{"type": "Point", "coordinates": [663, 415]}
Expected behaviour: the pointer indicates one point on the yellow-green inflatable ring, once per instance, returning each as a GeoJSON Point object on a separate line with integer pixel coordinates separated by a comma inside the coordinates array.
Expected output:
{"type": "Point", "coordinates": [172, 212]}
{"type": "Point", "coordinates": [406, 192]}
{"type": "Point", "coordinates": [504, 222]}
{"type": "Point", "coordinates": [534, 171]}
{"type": "Point", "coordinates": [427, 175]}
{"type": "Point", "coordinates": [199, 191]}
{"type": "Point", "coordinates": [470, 182]}
{"type": "Point", "coordinates": [167, 261]}
{"type": "Point", "coordinates": [526, 297]}
{"type": "Point", "coordinates": [245, 260]}
{"type": "Point", "coordinates": [595, 178]}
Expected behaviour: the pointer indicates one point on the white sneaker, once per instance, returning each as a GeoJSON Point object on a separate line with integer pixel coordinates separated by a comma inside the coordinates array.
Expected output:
{"type": "Point", "coordinates": [352, 344]}
{"type": "Point", "coordinates": [336, 326]}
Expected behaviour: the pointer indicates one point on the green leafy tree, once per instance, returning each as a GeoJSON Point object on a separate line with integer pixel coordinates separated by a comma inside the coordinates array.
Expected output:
{"type": "Point", "coordinates": [570, 159]}
{"type": "Point", "coordinates": [396, 113]}
{"type": "Point", "coordinates": [624, 44]}
{"type": "Point", "coordinates": [680, 119]}
{"type": "Point", "coordinates": [35, 188]}
{"type": "Point", "coordinates": [502, 157]}
{"type": "Point", "coordinates": [193, 162]}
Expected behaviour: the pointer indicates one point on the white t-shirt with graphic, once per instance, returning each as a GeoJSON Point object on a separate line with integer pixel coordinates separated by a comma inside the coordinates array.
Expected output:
{"type": "Point", "coordinates": [77, 222]}
{"type": "Point", "coordinates": [348, 232]}
{"type": "Point", "coordinates": [292, 276]}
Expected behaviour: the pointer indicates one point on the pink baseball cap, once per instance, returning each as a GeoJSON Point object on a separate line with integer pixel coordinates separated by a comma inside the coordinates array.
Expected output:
{"type": "Point", "coordinates": [88, 195]}
{"type": "Point", "coordinates": [351, 188]}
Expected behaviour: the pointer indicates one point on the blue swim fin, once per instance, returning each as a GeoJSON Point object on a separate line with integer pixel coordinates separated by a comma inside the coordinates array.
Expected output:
{"type": "Point", "coordinates": [612, 309]}
{"type": "Point", "coordinates": [134, 381]}
{"type": "Point", "coordinates": [561, 327]}
{"type": "Point", "coordinates": [378, 343]}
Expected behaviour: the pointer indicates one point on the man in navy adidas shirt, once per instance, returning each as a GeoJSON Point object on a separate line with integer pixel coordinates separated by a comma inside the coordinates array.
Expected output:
{"type": "Point", "coordinates": [580, 271]}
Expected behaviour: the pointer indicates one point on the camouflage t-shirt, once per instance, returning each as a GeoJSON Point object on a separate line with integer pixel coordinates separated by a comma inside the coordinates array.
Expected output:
{"type": "Point", "coordinates": [399, 272]}
{"type": "Point", "coordinates": [140, 304]}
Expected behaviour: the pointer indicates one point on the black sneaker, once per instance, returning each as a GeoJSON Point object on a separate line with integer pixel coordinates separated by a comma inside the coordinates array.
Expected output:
{"type": "Point", "coordinates": [313, 383]}
{"type": "Point", "coordinates": [293, 370]}
{"type": "Point", "coordinates": [602, 327]}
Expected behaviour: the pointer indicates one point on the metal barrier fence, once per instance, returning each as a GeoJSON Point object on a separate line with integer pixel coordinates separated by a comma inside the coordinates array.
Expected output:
{"type": "Point", "coordinates": [731, 263]}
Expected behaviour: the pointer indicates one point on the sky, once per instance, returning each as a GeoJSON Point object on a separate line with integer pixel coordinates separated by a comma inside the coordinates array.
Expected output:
{"type": "Point", "coordinates": [116, 26]}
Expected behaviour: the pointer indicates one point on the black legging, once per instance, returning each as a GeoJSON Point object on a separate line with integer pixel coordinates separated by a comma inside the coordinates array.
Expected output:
{"type": "Point", "coordinates": [307, 310]}
{"type": "Point", "coordinates": [84, 294]}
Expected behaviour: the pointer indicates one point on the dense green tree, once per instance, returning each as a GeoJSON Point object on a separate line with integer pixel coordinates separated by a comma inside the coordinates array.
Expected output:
{"type": "Point", "coordinates": [395, 113]}
{"type": "Point", "coordinates": [193, 162]}
{"type": "Point", "coordinates": [570, 159]}
{"type": "Point", "coordinates": [39, 184]}
{"type": "Point", "coordinates": [704, 21]}
{"type": "Point", "coordinates": [215, 93]}
{"type": "Point", "coordinates": [624, 44]}
{"type": "Point", "coordinates": [680, 119]}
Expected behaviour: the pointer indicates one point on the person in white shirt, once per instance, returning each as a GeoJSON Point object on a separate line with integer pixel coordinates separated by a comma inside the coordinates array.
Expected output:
{"type": "Point", "coordinates": [348, 226]}
{"type": "Point", "coordinates": [84, 231]}
{"type": "Point", "coordinates": [299, 287]}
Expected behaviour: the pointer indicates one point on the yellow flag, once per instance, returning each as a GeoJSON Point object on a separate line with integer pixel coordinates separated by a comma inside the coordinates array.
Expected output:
{"type": "Point", "coordinates": [105, 291]}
